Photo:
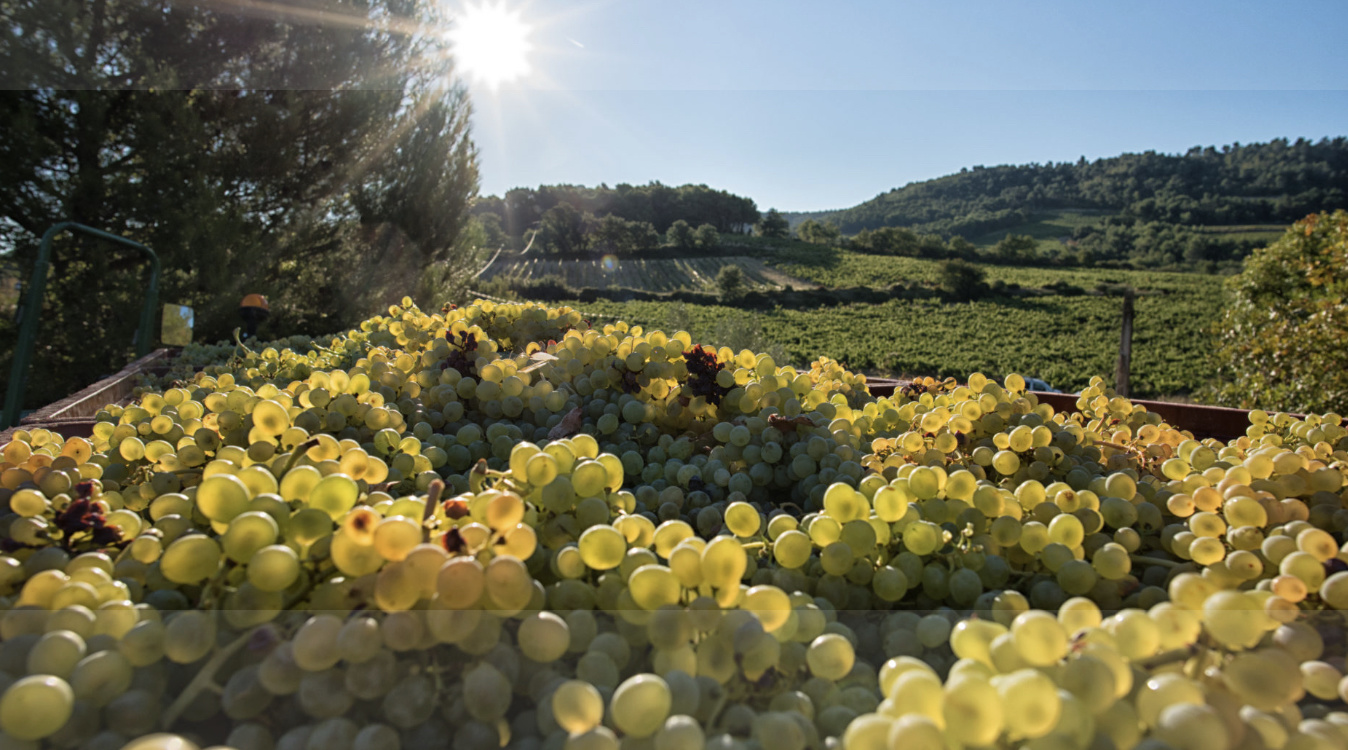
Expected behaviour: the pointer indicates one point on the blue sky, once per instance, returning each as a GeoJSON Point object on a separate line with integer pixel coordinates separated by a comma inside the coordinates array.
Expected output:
{"type": "Point", "coordinates": [805, 106]}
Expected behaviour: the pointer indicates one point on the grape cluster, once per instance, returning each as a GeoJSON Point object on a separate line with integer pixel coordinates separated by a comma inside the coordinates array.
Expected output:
{"type": "Point", "coordinates": [498, 527]}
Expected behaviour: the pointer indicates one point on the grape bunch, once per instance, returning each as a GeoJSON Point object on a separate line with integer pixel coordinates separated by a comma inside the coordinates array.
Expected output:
{"type": "Point", "coordinates": [496, 526]}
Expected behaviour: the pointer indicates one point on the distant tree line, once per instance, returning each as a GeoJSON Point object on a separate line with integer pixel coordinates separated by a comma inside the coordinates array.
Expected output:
{"type": "Point", "coordinates": [654, 204]}
{"type": "Point", "coordinates": [565, 230]}
{"type": "Point", "coordinates": [1276, 182]}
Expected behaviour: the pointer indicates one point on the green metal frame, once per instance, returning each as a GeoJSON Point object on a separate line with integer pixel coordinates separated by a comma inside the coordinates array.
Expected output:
{"type": "Point", "coordinates": [32, 310]}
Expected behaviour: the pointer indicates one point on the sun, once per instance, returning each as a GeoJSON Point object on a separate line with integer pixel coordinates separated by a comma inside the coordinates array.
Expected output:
{"type": "Point", "coordinates": [491, 44]}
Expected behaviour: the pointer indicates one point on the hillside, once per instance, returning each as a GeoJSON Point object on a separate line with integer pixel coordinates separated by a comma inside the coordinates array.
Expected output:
{"type": "Point", "coordinates": [1254, 184]}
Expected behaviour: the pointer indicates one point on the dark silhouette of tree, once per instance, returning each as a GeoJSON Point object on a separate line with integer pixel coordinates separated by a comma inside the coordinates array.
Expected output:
{"type": "Point", "coordinates": [774, 225]}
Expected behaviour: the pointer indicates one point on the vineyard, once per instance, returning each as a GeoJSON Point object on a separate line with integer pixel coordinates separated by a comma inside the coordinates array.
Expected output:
{"type": "Point", "coordinates": [1064, 340]}
{"type": "Point", "coordinates": [834, 267]}
{"type": "Point", "coordinates": [665, 275]}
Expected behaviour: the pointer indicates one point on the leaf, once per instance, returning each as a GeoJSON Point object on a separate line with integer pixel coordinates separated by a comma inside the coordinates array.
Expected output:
{"type": "Point", "coordinates": [569, 425]}
{"type": "Point", "coordinates": [540, 359]}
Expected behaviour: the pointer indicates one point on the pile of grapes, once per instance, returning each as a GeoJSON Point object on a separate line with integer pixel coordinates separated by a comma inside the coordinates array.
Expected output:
{"type": "Point", "coordinates": [496, 526]}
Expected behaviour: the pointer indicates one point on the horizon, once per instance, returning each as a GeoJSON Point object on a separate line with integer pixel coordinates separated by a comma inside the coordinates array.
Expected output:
{"type": "Point", "coordinates": [821, 108]}
{"type": "Point", "coordinates": [1218, 146]}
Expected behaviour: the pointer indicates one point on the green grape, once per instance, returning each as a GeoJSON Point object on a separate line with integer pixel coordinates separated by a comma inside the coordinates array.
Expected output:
{"type": "Point", "coordinates": [273, 568]}
{"type": "Point", "coordinates": [490, 690]}
{"type": "Point", "coordinates": [190, 559]}
{"type": "Point", "coordinates": [1066, 529]}
{"type": "Point", "coordinates": [394, 537]}
{"type": "Point", "coordinates": [544, 637]}
{"type": "Point", "coordinates": [654, 586]}
{"type": "Point", "coordinates": [1030, 703]}
{"type": "Point", "coordinates": [396, 588]}
{"type": "Point", "coordinates": [830, 657]}
{"type": "Point", "coordinates": [56, 653]}
{"type": "Point", "coordinates": [922, 538]}
{"type": "Point", "coordinates": [144, 644]}
{"type": "Point", "coordinates": [1334, 590]}
{"type": "Point", "coordinates": [1162, 691]}
{"type": "Point", "coordinates": [189, 636]}
{"type": "Point", "coordinates": [973, 711]}
{"type": "Point", "coordinates": [723, 562]}
{"type": "Point", "coordinates": [640, 705]}
{"type": "Point", "coordinates": [769, 604]}
{"type": "Point", "coordinates": [1190, 726]}
{"type": "Point", "coordinates": [1005, 462]}
{"type": "Point", "coordinates": [334, 494]}
{"type": "Point", "coordinates": [792, 549]}
{"type": "Point", "coordinates": [1039, 638]}
{"type": "Point", "coordinates": [315, 643]}
{"type": "Point", "coordinates": [1234, 619]}
{"type": "Point", "coordinates": [100, 677]}
{"type": "Point", "coordinates": [577, 706]}
{"type": "Point", "coordinates": [160, 742]}
{"type": "Point", "coordinates": [1111, 561]}
{"type": "Point", "coordinates": [742, 519]}
{"type": "Point", "coordinates": [222, 497]}
{"type": "Point", "coordinates": [247, 533]}
{"type": "Point", "coordinates": [602, 547]}
{"type": "Point", "coordinates": [460, 583]}
{"type": "Point", "coordinates": [376, 737]}
{"type": "Point", "coordinates": [889, 583]}
{"type": "Point", "coordinates": [680, 732]}
{"type": "Point", "coordinates": [507, 584]}
{"type": "Point", "coordinates": [589, 478]}
{"type": "Point", "coordinates": [916, 732]}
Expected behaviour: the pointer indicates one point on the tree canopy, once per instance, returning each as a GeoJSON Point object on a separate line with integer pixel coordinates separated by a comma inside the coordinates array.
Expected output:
{"type": "Point", "coordinates": [308, 160]}
{"type": "Point", "coordinates": [1276, 182]}
{"type": "Point", "coordinates": [1284, 330]}
{"type": "Point", "coordinates": [655, 203]}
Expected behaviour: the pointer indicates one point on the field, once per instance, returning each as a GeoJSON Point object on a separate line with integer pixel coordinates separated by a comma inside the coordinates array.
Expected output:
{"type": "Point", "coordinates": [841, 268]}
{"type": "Point", "coordinates": [666, 275]}
{"type": "Point", "coordinates": [1049, 228]}
{"type": "Point", "coordinates": [1046, 229]}
{"type": "Point", "coordinates": [1064, 340]}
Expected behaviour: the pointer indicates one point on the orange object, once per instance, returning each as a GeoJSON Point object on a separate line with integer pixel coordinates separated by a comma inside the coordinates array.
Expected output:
{"type": "Point", "coordinates": [255, 300]}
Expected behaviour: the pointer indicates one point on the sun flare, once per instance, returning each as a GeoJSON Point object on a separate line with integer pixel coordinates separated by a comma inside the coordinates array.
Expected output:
{"type": "Point", "coordinates": [491, 43]}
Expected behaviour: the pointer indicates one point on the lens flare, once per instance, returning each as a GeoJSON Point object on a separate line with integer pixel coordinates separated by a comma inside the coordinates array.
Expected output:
{"type": "Point", "coordinates": [610, 263]}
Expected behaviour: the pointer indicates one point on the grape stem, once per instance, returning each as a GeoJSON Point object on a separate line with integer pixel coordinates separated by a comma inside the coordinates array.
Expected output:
{"type": "Point", "coordinates": [300, 450]}
{"type": "Point", "coordinates": [1155, 561]}
{"type": "Point", "coordinates": [432, 501]}
{"type": "Point", "coordinates": [1184, 653]}
{"type": "Point", "coordinates": [204, 679]}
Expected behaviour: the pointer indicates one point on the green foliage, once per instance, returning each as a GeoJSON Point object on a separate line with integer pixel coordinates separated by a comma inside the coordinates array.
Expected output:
{"type": "Point", "coordinates": [313, 163]}
{"type": "Point", "coordinates": [705, 237]}
{"type": "Point", "coordinates": [1275, 182]}
{"type": "Point", "coordinates": [962, 281]}
{"type": "Point", "coordinates": [659, 204]}
{"type": "Point", "coordinates": [1015, 248]}
{"type": "Point", "coordinates": [680, 235]}
{"type": "Point", "coordinates": [617, 236]}
{"type": "Point", "coordinates": [773, 225]}
{"type": "Point", "coordinates": [730, 283]}
{"type": "Point", "coordinates": [818, 233]}
{"type": "Point", "coordinates": [562, 230]}
{"type": "Point", "coordinates": [1284, 330]}
{"type": "Point", "coordinates": [647, 274]}
{"type": "Point", "coordinates": [738, 332]}
{"type": "Point", "coordinates": [901, 241]}
{"type": "Point", "coordinates": [1064, 340]}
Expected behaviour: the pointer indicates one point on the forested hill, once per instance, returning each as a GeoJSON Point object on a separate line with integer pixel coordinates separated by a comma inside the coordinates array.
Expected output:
{"type": "Point", "coordinates": [1263, 183]}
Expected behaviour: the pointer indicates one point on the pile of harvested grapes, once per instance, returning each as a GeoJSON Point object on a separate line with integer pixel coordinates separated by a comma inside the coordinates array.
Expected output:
{"type": "Point", "coordinates": [497, 526]}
